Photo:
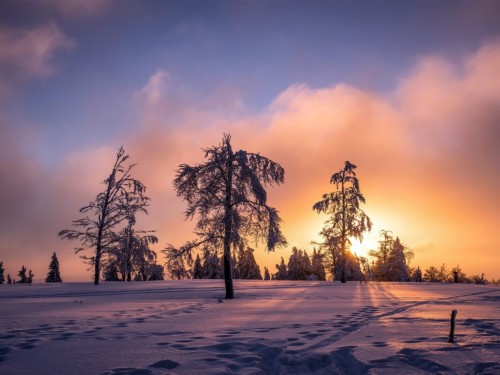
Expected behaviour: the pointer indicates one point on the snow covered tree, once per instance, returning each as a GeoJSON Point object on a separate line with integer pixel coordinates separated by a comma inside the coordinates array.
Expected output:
{"type": "Point", "coordinates": [132, 253]}
{"type": "Point", "coordinates": [399, 262]}
{"type": "Point", "coordinates": [111, 272]}
{"type": "Point", "coordinates": [176, 268]}
{"type": "Point", "coordinates": [96, 230]}
{"type": "Point", "coordinates": [317, 265]}
{"type": "Point", "coordinates": [282, 273]}
{"type": "Point", "coordinates": [267, 275]}
{"type": "Point", "coordinates": [53, 276]}
{"type": "Point", "coordinates": [197, 268]}
{"type": "Point", "coordinates": [30, 277]}
{"type": "Point", "coordinates": [212, 265]}
{"type": "Point", "coordinates": [248, 267]}
{"type": "Point", "coordinates": [392, 259]}
{"type": "Point", "coordinates": [155, 272]}
{"type": "Point", "coordinates": [352, 268]}
{"type": "Point", "coordinates": [9, 279]}
{"type": "Point", "coordinates": [443, 274]}
{"type": "Point", "coordinates": [228, 193]}
{"type": "Point", "coordinates": [23, 279]}
{"type": "Point", "coordinates": [431, 274]}
{"type": "Point", "coordinates": [2, 270]}
{"type": "Point", "coordinates": [418, 275]}
{"type": "Point", "coordinates": [347, 220]}
{"type": "Point", "coordinates": [381, 268]}
{"type": "Point", "coordinates": [299, 265]}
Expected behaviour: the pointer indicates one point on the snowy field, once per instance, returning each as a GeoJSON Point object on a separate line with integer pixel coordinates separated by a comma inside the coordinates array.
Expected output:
{"type": "Point", "coordinates": [274, 327]}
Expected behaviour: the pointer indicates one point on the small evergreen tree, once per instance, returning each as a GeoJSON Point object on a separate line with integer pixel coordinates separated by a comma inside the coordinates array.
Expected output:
{"type": "Point", "coordinates": [197, 268]}
{"type": "Point", "coordinates": [317, 266]}
{"type": "Point", "coordinates": [392, 259]}
{"type": "Point", "coordinates": [398, 266]}
{"type": "Point", "coordinates": [30, 277]}
{"type": "Point", "coordinates": [155, 272]}
{"type": "Point", "coordinates": [282, 273]}
{"type": "Point", "coordinates": [248, 267]}
{"type": "Point", "coordinates": [54, 275]}
{"type": "Point", "coordinates": [267, 276]}
{"type": "Point", "coordinates": [23, 279]}
{"type": "Point", "coordinates": [418, 275]}
{"type": "Point", "coordinates": [431, 274]}
{"type": "Point", "coordinates": [298, 265]}
{"type": "Point", "coordinates": [2, 270]}
{"type": "Point", "coordinates": [9, 279]}
{"type": "Point", "coordinates": [212, 265]}
{"type": "Point", "coordinates": [443, 274]}
{"type": "Point", "coordinates": [111, 272]}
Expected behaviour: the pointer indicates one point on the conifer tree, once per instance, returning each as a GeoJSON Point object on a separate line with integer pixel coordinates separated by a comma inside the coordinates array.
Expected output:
{"type": "Point", "coordinates": [228, 193]}
{"type": "Point", "coordinates": [155, 272]}
{"type": "Point", "coordinates": [2, 270]}
{"type": "Point", "coordinates": [392, 259]}
{"type": "Point", "coordinates": [248, 267]}
{"type": "Point", "coordinates": [212, 268]}
{"type": "Point", "coordinates": [111, 272]}
{"type": "Point", "coordinates": [443, 274]}
{"type": "Point", "coordinates": [282, 273]}
{"type": "Point", "coordinates": [317, 265]}
{"type": "Point", "coordinates": [23, 279]}
{"type": "Point", "coordinates": [431, 274]}
{"type": "Point", "coordinates": [418, 275]}
{"type": "Point", "coordinates": [267, 275]}
{"type": "Point", "coordinates": [30, 277]}
{"type": "Point", "coordinates": [9, 279]}
{"type": "Point", "coordinates": [347, 220]}
{"type": "Point", "coordinates": [197, 268]}
{"type": "Point", "coordinates": [54, 275]}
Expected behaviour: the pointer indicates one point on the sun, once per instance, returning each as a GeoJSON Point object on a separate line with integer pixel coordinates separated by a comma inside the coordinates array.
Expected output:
{"type": "Point", "coordinates": [362, 249]}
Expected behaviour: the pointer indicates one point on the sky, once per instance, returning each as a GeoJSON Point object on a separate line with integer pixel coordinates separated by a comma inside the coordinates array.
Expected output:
{"type": "Point", "coordinates": [406, 90]}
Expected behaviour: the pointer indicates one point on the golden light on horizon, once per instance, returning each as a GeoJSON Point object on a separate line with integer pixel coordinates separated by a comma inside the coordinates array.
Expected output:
{"type": "Point", "coordinates": [361, 249]}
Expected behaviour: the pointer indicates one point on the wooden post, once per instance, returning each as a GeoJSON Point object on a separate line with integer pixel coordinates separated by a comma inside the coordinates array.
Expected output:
{"type": "Point", "coordinates": [452, 326]}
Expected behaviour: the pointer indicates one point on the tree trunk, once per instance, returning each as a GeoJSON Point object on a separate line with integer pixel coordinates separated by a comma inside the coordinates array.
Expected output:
{"type": "Point", "coordinates": [343, 243]}
{"type": "Point", "coordinates": [129, 253]}
{"type": "Point", "coordinates": [97, 268]}
{"type": "Point", "coordinates": [228, 220]}
{"type": "Point", "coordinates": [102, 221]}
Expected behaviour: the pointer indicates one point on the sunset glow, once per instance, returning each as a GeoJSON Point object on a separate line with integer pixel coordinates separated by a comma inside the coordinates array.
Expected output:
{"type": "Point", "coordinates": [307, 84]}
{"type": "Point", "coordinates": [361, 249]}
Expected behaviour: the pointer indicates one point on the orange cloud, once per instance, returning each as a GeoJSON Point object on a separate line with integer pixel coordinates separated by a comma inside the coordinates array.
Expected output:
{"type": "Point", "coordinates": [426, 153]}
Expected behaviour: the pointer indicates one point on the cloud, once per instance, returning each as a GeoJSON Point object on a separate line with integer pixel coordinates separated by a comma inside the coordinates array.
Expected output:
{"type": "Point", "coordinates": [28, 53]}
{"type": "Point", "coordinates": [427, 155]}
{"type": "Point", "coordinates": [79, 9]}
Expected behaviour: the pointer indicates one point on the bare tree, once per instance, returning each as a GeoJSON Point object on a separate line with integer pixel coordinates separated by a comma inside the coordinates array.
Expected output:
{"type": "Point", "coordinates": [111, 207]}
{"type": "Point", "coordinates": [228, 193]}
{"type": "Point", "coordinates": [347, 220]}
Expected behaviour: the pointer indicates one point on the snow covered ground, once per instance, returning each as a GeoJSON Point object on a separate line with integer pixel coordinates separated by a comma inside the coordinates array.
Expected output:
{"type": "Point", "coordinates": [276, 327]}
